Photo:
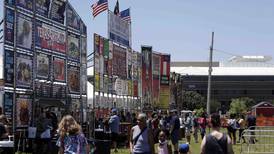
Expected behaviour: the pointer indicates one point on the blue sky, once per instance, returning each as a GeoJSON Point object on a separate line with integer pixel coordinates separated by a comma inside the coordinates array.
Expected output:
{"type": "Point", "coordinates": [183, 27]}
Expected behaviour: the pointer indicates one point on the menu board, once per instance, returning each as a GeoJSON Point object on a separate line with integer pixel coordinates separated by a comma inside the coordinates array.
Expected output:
{"type": "Point", "coordinates": [58, 91]}
{"type": "Point", "coordinates": [58, 8]}
{"type": "Point", "coordinates": [8, 105]}
{"type": "Point", "coordinates": [43, 89]}
{"type": "Point", "coordinates": [9, 67]}
{"type": "Point", "coordinates": [23, 110]}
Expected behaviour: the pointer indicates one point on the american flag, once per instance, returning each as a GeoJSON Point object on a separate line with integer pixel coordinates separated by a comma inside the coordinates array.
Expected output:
{"type": "Point", "coordinates": [125, 15]}
{"type": "Point", "coordinates": [99, 7]}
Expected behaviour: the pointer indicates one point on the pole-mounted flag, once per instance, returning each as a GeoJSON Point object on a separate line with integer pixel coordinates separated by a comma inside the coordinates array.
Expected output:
{"type": "Point", "coordinates": [100, 6]}
{"type": "Point", "coordinates": [116, 8]}
{"type": "Point", "coordinates": [125, 15]}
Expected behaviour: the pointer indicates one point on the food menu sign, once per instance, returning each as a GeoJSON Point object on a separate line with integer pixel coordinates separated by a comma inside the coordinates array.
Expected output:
{"type": "Point", "coordinates": [50, 37]}
{"type": "Point", "coordinates": [43, 89]}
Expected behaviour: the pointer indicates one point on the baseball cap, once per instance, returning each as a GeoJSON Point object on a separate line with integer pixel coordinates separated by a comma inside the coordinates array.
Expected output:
{"type": "Point", "coordinates": [183, 148]}
{"type": "Point", "coordinates": [114, 110]}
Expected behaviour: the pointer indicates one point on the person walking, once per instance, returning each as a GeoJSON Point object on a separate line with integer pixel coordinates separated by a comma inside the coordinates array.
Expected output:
{"type": "Point", "coordinates": [114, 123]}
{"type": "Point", "coordinates": [175, 130]}
{"type": "Point", "coordinates": [251, 123]}
{"type": "Point", "coordinates": [163, 146]}
{"type": "Point", "coordinates": [203, 124]}
{"type": "Point", "coordinates": [71, 140]}
{"type": "Point", "coordinates": [242, 123]}
{"type": "Point", "coordinates": [216, 142]}
{"type": "Point", "coordinates": [232, 128]}
{"type": "Point", "coordinates": [195, 127]}
{"type": "Point", "coordinates": [141, 137]}
{"type": "Point", "coordinates": [188, 127]}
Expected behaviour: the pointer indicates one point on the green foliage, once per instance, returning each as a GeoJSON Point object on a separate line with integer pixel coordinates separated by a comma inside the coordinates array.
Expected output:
{"type": "Point", "coordinates": [249, 102]}
{"type": "Point", "coordinates": [199, 112]}
{"type": "Point", "coordinates": [214, 106]}
{"type": "Point", "coordinates": [193, 100]}
{"type": "Point", "coordinates": [237, 106]}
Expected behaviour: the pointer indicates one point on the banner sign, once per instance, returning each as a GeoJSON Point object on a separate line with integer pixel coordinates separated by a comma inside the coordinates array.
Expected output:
{"type": "Point", "coordinates": [59, 69]}
{"type": "Point", "coordinates": [23, 70]}
{"type": "Point", "coordinates": [9, 26]}
{"type": "Point", "coordinates": [110, 58]}
{"type": "Point", "coordinates": [23, 110]}
{"type": "Point", "coordinates": [97, 82]}
{"type": "Point", "coordinates": [83, 28]}
{"type": "Point", "coordinates": [119, 62]}
{"type": "Point", "coordinates": [156, 60]}
{"type": "Point", "coordinates": [42, 7]}
{"type": "Point", "coordinates": [58, 8]}
{"type": "Point", "coordinates": [135, 89]}
{"type": "Point", "coordinates": [83, 50]}
{"type": "Point", "coordinates": [73, 47]}
{"type": "Point", "coordinates": [73, 19]}
{"type": "Point", "coordinates": [134, 66]}
{"type": "Point", "coordinates": [58, 91]}
{"type": "Point", "coordinates": [74, 79]}
{"type": "Point", "coordinates": [49, 37]}
{"type": "Point", "coordinates": [8, 105]}
{"type": "Point", "coordinates": [165, 69]}
{"type": "Point", "coordinates": [24, 31]}
{"type": "Point", "coordinates": [84, 79]}
{"type": "Point", "coordinates": [42, 66]}
{"type": "Point", "coordinates": [96, 53]}
{"type": "Point", "coordinates": [118, 29]}
{"type": "Point", "coordinates": [25, 4]}
{"type": "Point", "coordinates": [129, 64]}
{"type": "Point", "coordinates": [164, 97]}
{"type": "Point", "coordinates": [9, 67]}
{"type": "Point", "coordinates": [43, 90]}
{"type": "Point", "coordinates": [146, 74]}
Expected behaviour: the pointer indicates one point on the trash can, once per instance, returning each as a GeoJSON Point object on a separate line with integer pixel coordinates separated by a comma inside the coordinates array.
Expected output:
{"type": "Point", "coordinates": [102, 146]}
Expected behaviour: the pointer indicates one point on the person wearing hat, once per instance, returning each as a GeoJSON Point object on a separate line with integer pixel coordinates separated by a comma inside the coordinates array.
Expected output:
{"type": "Point", "coordinates": [184, 149]}
{"type": "Point", "coordinates": [114, 124]}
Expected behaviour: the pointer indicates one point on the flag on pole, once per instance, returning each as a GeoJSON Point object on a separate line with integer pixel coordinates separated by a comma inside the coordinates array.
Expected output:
{"type": "Point", "coordinates": [100, 6]}
{"type": "Point", "coordinates": [125, 15]}
{"type": "Point", "coordinates": [116, 9]}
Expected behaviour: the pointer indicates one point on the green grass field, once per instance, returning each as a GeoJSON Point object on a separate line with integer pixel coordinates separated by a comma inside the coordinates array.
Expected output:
{"type": "Point", "coordinates": [194, 147]}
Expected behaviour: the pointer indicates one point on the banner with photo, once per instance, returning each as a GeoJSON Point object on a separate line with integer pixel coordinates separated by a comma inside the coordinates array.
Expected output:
{"type": "Point", "coordinates": [110, 58]}
{"type": "Point", "coordinates": [119, 62]}
{"type": "Point", "coordinates": [59, 69]}
{"type": "Point", "coordinates": [24, 32]}
{"type": "Point", "coordinates": [134, 66]}
{"type": "Point", "coordinates": [23, 70]}
{"type": "Point", "coordinates": [8, 105]}
{"type": "Point", "coordinates": [119, 30]}
{"type": "Point", "coordinates": [156, 60]}
{"type": "Point", "coordinates": [9, 67]}
{"type": "Point", "coordinates": [96, 47]}
{"type": "Point", "coordinates": [165, 70]}
{"type": "Point", "coordinates": [97, 82]}
{"type": "Point", "coordinates": [73, 47]}
{"type": "Point", "coordinates": [42, 7]}
{"type": "Point", "coordinates": [23, 110]}
{"type": "Point", "coordinates": [10, 3]}
{"type": "Point", "coordinates": [57, 12]}
{"type": "Point", "coordinates": [83, 50]}
{"type": "Point", "coordinates": [25, 4]}
{"type": "Point", "coordinates": [101, 82]}
{"type": "Point", "coordinates": [129, 64]}
{"type": "Point", "coordinates": [146, 74]}
{"type": "Point", "coordinates": [50, 37]}
{"type": "Point", "coordinates": [73, 79]}
{"type": "Point", "coordinates": [73, 20]}
{"type": "Point", "coordinates": [84, 79]}
{"type": "Point", "coordinates": [139, 67]}
{"type": "Point", "coordinates": [9, 26]}
{"type": "Point", "coordinates": [106, 56]}
{"type": "Point", "coordinates": [130, 88]}
{"type": "Point", "coordinates": [42, 66]}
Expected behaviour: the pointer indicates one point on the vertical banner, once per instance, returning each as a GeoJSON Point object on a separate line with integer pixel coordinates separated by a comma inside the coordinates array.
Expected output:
{"type": "Point", "coordinates": [164, 82]}
{"type": "Point", "coordinates": [23, 70]}
{"type": "Point", "coordinates": [119, 62]}
{"type": "Point", "coordinates": [147, 76]}
{"type": "Point", "coordinates": [73, 19]}
{"type": "Point", "coordinates": [59, 69]}
{"type": "Point", "coordinates": [74, 79]}
{"type": "Point", "coordinates": [42, 7]}
{"type": "Point", "coordinates": [83, 50]}
{"type": "Point", "coordinates": [156, 60]}
{"type": "Point", "coordinates": [96, 54]}
{"type": "Point", "coordinates": [25, 4]}
{"type": "Point", "coordinates": [8, 105]}
{"type": "Point", "coordinates": [24, 32]}
{"type": "Point", "coordinates": [139, 75]}
{"type": "Point", "coordinates": [129, 64]}
{"type": "Point", "coordinates": [110, 58]}
{"type": "Point", "coordinates": [57, 12]}
{"type": "Point", "coordinates": [97, 82]}
{"type": "Point", "coordinates": [9, 67]}
{"type": "Point", "coordinates": [73, 47]}
{"type": "Point", "coordinates": [10, 2]}
{"type": "Point", "coordinates": [9, 26]}
{"type": "Point", "coordinates": [106, 56]}
{"type": "Point", "coordinates": [23, 110]}
{"type": "Point", "coordinates": [84, 79]}
{"type": "Point", "coordinates": [42, 66]}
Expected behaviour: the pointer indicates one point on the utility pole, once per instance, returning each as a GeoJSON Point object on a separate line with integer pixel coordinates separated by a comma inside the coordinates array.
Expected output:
{"type": "Point", "coordinates": [209, 75]}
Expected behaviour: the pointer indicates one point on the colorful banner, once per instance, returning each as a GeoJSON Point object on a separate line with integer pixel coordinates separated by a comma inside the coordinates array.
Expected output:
{"type": "Point", "coordinates": [130, 88]}
{"type": "Point", "coordinates": [139, 66]}
{"type": "Point", "coordinates": [96, 53]}
{"type": "Point", "coordinates": [97, 82]}
{"type": "Point", "coordinates": [156, 60]}
{"type": "Point", "coordinates": [83, 50]}
{"type": "Point", "coordinates": [164, 97]}
{"type": "Point", "coordinates": [73, 47]}
{"type": "Point", "coordinates": [42, 7]}
{"type": "Point", "coordinates": [119, 62]}
{"type": "Point", "coordinates": [110, 58]}
{"type": "Point", "coordinates": [119, 30]}
{"type": "Point", "coordinates": [147, 75]}
{"type": "Point", "coordinates": [25, 4]}
{"type": "Point", "coordinates": [129, 64]}
{"type": "Point", "coordinates": [74, 79]}
{"type": "Point", "coordinates": [84, 79]}
{"type": "Point", "coordinates": [135, 89]}
{"type": "Point", "coordinates": [23, 70]}
{"type": "Point", "coordinates": [58, 8]}
{"type": "Point", "coordinates": [165, 70]}
{"type": "Point", "coordinates": [9, 67]}
{"type": "Point", "coordinates": [59, 69]}
{"type": "Point", "coordinates": [134, 66]}
{"type": "Point", "coordinates": [49, 37]}
{"type": "Point", "coordinates": [24, 31]}
{"type": "Point", "coordinates": [42, 66]}
{"type": "Point", "coordinates": [8, 105]}
{"type": "Point", "coordinates": [9, 26]}
{"type": "Point", "coordinates": [73, 20]}
{"type": "Point", "coordinates": [23, 110]}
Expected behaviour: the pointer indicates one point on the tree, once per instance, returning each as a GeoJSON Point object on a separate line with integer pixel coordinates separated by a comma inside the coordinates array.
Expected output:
{"type": "Point", "coordinates": [193, 100]}
{"type": "Point", "coordinates": [237, 106]}
{"type": "Point", "coordinates": [249, 102]}
{"type": "Point", "coordinates": [214, 106]}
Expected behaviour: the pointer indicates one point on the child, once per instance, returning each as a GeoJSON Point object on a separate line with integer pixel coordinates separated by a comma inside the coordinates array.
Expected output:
{"type": "Point", "coordinates": [163, 147]}
{"type": "Point", "coordinates": [184, 149]}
